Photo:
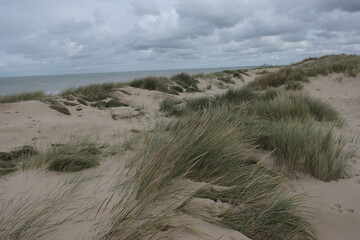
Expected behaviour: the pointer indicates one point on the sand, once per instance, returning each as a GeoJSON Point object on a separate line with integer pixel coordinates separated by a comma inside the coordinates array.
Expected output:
{"type": "Point", "coordinates": [336, 203]}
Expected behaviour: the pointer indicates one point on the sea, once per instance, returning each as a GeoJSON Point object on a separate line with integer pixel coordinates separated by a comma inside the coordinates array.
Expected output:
{"type": "Point", "coordinates": [54, 84]}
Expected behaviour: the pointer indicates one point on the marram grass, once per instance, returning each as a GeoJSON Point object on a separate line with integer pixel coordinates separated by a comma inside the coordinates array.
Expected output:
{"type": "Point", "coordinates": [211, 147]}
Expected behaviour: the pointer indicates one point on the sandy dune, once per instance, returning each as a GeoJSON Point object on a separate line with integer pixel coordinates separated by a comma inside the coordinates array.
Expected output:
{"type": "Point", "coordinates": [336, 204]}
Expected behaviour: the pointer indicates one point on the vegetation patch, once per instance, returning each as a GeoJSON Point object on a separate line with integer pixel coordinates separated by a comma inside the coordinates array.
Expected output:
{"type": "Point", "coordinates": [57, 106]}
{"type": "Point", "coordinates": [177, 89]}
{"type": "Point", "coordinates": [115, 103]}
{"type": "Point", "coordinates": [304, 147]}
{"type": "Point", "coordinates": [171, 107]}
{"type": "Point", "coordinates": [152, 83]}
{"type": "Point", "coordinates": [70, 104]}
{"type": "Point", "coordinates": [9, 160]}
{"type": "Point", "coordinates": [38, 95]}
{"type": "Point", "coordinates": [100, 105]}
{"type": "Point", "coordinates": [342, 63]}
{"type": "Point", "coordinates": [293, 85]}
{"type": "Point", "coordinates": [82, 101]}
{"type": "Point", "coordinates": [72, 157]}
{"type": "Point", "coordinates": [279, 78]}
{"type": "Point", "coordinates": [93, 92]}
{"type": "Point", "coordinates": [188, 82]}
{"type": "Point", "coordinates": [296, 106]}
{"type": "Point", "coordinates": [209, 147]}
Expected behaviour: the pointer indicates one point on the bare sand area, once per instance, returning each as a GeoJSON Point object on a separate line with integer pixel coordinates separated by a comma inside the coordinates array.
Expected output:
{"type": "Point", "coordinates": [336, 203]}
{"type": "Point", "coordinates": [84, 201]}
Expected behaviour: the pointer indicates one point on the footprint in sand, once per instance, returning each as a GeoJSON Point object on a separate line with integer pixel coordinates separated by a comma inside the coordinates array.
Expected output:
{"type": "Point", "coordinates": [336, 208]}
{"type": "Point", "coordinates": [349, 210]}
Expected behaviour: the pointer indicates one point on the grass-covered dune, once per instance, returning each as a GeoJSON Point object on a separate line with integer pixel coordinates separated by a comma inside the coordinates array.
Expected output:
{"type": "Point", "coordinates": [202, 163]}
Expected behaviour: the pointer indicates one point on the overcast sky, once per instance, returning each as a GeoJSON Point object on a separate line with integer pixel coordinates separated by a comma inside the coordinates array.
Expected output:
{"type": "Point", "coordinates": [72, 36]}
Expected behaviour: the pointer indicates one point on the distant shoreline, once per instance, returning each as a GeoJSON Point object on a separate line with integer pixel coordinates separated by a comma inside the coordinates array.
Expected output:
{"type": "Point", "coordinates": [54, 84]}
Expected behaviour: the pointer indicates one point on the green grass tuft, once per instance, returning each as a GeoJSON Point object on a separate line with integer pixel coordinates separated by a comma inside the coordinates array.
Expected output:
{"type": "Point", "coordinates": [295, 106]}
{"type": "Point", "coordinates": [293, 85]}
{"type": "Point", "coordinates": [93, 92]}
{"type": "Point", "coordinates": [57, 106]}
{"type": "Point", "coordinates": [38, 95]}
{"type": "Point", "coordinates": [279, 78]}
{"type": "Point", "coordinates": [152, 83]}
{"type": "Point", "coordinates": [71, 156]}
{"type": "Point", "coordinates": [188, 82]}
{"type": "Point", "coordinates": [212, 147]}
{"type": "Point", "coordinates": [115, 103]}
{"type": "Point", "coordinates": [304, 147]}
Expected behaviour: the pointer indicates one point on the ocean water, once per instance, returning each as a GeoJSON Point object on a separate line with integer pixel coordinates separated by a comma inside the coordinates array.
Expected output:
{"type": "Point", "coordinates": [54, 84]}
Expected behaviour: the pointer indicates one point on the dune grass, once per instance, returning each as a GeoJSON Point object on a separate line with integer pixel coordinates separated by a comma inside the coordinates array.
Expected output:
{"type": "Point", "coordinates": [9, 161]}
{"type": "Point", "coordinates": [72, 155]}
{"type": "Point", "coordinates": [29, 217]}
{"type": "Point", "coordinates": [188, 82]}
{"type": "Point", "coordinates": [73, 158]}
{"type": "Point", "coordinates": [57, 106]}
{"type": "Point", "coordinates": [161, 84]}
{"type": "Point", "coordinates": [305, 147]}
{"type": "Point", "coordinates": [296, 106]}
{"type": "Point", "coordinates": [273, 114]}
{"type": "Point", "coordinates": [278, 78]}
{"type": "Point", "coordinates": [211, 147]}
{"type": "Point", "coordinates": [93, 92]}
{"type": "Point", "coordinates": [342, 63]}
{"type": "Point", "coordinates": [27, 96]}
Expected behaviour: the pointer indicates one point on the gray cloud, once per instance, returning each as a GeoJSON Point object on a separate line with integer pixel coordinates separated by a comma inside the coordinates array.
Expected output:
{"type": "Point", "coordinates": [47, 37]}
{"type": "Point", "coordinates": [145, 7]}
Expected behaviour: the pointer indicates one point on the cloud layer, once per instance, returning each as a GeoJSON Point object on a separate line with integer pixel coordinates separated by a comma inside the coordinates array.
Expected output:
{"type": "Point", "coordinates": [50, 37]}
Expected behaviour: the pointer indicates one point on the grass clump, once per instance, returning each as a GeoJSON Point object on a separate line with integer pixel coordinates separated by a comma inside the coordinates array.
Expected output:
{"type": "Point", "coordinates": [211, 147]}
{"type": "Point", "coordinates": [9, 160]}
{"type": "Point", "coordinates": [293, 85]}
{"type": "Point", "coordinates": [99, 104]}
{"type": "Point", "coordinates": [115, 103]}
{"type": "Point", "coordinates": [152, 83]}
{"type": "Point", "coordinates": [38, 95]}
{"type": "Point", "coordinates": [36, 217]}
{"type": "Point", "coordinates": [348, 64]}
{"type": "Point", "coordinates": [57, 106]}
{"type": "Point", "coordinates": [171, 107]}
{"type": "Point", "coordinates": [296, 106]}
{"type": "Point", "coordinates": [186, 81]}
{"type": "Point", "coordinates": [82, 101]}
{"type": "Point", "coordinates": [73, 155]}
{"type": "Point", "coordinates": [93, 92]}
{"type": "Point", "coordinates": [302, 146]}
{"type": "Point", "coordinates": [279, 78]}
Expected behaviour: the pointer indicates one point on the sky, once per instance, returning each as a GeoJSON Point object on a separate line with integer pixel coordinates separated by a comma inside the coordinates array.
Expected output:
{"type": "Point", "coordinates": [39, 37]}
